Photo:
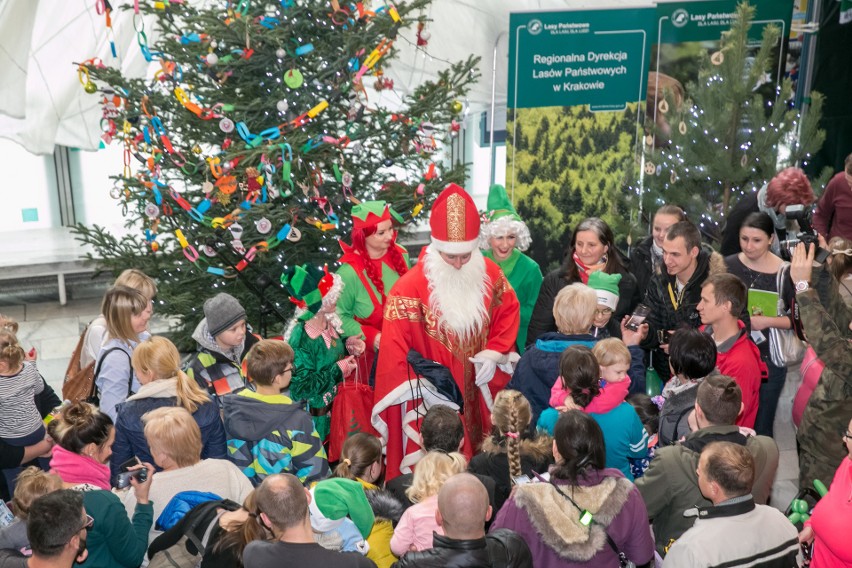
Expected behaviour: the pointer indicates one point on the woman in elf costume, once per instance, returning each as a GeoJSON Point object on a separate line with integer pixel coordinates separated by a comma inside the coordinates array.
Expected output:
{"type": "Point", "coordinates": [369, 268]}
{"type": "Point", "coordinates": [320, 353]}
{"type": "Point", "coordinates": [504, 235]}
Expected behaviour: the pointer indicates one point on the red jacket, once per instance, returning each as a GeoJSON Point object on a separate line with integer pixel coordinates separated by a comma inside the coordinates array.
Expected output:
{"type": "Point", "coordinates": [742, 363]}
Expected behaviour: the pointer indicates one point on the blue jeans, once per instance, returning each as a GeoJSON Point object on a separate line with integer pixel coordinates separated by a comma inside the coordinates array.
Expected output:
{"type": "Point", "coordinates": [770, 392]}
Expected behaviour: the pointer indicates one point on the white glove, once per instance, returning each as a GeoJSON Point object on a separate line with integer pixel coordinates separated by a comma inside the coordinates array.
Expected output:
{"type": "Point", "coordinates": [485, 362]}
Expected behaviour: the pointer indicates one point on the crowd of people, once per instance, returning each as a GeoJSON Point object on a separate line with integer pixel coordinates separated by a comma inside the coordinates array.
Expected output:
{"type": "Point", "coordinates": [508, 421]}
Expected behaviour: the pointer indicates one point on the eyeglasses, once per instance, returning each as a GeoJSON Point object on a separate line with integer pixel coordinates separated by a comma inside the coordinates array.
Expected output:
{"type": "Point", "coordinates": [289, 369]}
{"type": "Point", "coordinates": [90, 522]}
{"type": "Point", "coordinates": [603, 312]}
{"type": "Point", "coordinates": [847, 435]}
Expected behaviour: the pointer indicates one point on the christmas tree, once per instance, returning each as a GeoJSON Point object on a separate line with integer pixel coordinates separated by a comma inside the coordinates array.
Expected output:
{"type": "Point", "coordinates": [261, 127]}
{"type": "Point", "coordinates": [733, 132]}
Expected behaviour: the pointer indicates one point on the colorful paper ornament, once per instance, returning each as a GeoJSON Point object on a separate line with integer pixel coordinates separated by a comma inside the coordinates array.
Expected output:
{"type": "Point", "coordinates": [293, 78]}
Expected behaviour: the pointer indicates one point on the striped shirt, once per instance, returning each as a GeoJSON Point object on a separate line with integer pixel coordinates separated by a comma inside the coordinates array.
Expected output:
{"type": "Point", "coordinates": [19, 415]}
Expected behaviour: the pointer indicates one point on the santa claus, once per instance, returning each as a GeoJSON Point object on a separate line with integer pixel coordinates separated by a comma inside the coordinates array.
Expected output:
{"type": "Point", "coordinates": [455, 307]}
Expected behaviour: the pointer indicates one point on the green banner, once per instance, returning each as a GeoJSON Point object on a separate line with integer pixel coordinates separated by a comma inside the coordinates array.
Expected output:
{"type": "Point", "coordinates": [705, 21]}
{"type": "Point", "coordinates": [596, 58]}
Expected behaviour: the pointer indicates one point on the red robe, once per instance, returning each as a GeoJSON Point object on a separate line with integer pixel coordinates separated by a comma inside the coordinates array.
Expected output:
{"type": "Point", "coordinates": [410, 323]}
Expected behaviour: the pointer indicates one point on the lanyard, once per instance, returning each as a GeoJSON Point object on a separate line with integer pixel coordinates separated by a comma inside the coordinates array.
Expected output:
{"type": "Point", "coordinates": [676, 300]}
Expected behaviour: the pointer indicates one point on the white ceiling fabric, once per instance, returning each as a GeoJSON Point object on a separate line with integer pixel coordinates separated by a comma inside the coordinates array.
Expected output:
{"type": "Point", "coordinates": [43, 104]}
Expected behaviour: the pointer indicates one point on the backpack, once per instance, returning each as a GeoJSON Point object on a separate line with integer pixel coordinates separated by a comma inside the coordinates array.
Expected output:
{"type": "Point", "coordinates": [79, 381]}
{"type": "Point", "coordinates": [194, 541]}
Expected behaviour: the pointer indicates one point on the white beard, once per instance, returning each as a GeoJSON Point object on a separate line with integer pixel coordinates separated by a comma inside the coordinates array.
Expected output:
{"type": "Point", "coordinates": [457, 297]}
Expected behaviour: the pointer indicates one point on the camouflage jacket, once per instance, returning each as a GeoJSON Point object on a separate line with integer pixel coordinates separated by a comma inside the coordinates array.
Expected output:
{"type": "Point", "coordinates": [825, 318]}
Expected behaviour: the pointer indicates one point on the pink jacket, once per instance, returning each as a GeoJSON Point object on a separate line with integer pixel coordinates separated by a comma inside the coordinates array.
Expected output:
{"type": "Point", "coordinates": [415, 528]}
{"type": "Point", "coordinates": [612, 394]}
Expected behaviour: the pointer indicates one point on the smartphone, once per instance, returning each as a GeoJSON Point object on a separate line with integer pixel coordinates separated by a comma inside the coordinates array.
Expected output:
{"type": "Point", "coordinates": [124, 476]}
{"type": "Point", "coordinates": [664, 336]}
{"type": "Point", "coordinates": [638, 317]}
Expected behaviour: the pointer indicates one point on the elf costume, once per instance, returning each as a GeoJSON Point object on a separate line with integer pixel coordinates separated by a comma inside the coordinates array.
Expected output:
{"type": "Point", "coordinates": [319, 352]}
{"type": "Point", "coordinates": [361, 304]}
{"type": "Point", "coordinates": [471, 337]}
{"type": "Point", "coordinates": [523, 272]}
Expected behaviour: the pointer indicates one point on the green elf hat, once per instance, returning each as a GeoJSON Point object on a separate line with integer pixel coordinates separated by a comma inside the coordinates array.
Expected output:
{"type": "Point", "coordinates": [334, 499]}
{"type": "Point", "coordinates": [499, 205]}
{"type": "Point", "coordinates": [370, 213]}
{"type": "Point", "coordinates": [307, 286]}
{"type": "Point", "coordinates": [606, 287]}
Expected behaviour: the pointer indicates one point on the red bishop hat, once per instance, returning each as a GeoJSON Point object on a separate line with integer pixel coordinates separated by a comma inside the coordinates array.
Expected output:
{"type": "Point", "coordinates": [454, 222]}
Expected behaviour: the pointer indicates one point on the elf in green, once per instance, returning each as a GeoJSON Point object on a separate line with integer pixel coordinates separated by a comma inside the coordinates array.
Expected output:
{"type": "Point", "coordinates": [321, 361]}
{"type": "Point", "coordinates": [502, 239]}
{"type": "Point", "coordinates": [370, 266]}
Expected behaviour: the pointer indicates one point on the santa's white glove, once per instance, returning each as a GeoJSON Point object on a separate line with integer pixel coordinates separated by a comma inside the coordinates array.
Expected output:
{"type": "Point", "coordinates": [511, 362]}
{"type": "Point", "coordinates": [485, 362]}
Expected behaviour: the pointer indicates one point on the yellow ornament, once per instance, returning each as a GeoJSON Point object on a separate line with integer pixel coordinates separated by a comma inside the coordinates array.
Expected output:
{"type": "Point", "coordinates": [456, 107]}
{"type": "Point", "coordinates": [90, 88]}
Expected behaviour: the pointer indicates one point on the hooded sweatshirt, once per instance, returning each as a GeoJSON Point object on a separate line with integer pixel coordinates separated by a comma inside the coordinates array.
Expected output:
{"type": "Point", "coordinates": [268, 434]}
{"type": "Point", "coordinates": [217, 371]}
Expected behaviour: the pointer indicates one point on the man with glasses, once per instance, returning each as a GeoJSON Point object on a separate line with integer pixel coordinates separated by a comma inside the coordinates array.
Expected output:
{"type": "Point", "coordinates": [57, 527]}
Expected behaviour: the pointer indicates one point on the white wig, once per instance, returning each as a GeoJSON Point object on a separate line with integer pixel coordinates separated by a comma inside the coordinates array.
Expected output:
{"type": "Point", "coordinates": [504, 226]}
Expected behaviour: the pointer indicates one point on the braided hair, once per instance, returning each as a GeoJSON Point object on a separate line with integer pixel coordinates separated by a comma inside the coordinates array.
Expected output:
{"type": "Point", "coordinates": [395, 258]}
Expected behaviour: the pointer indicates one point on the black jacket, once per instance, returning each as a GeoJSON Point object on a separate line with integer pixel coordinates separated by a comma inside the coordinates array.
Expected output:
{"type": "Point", "coordinates": [500, 548]}
{"type": "Point", "coordinates": [641, 264]}
{"type": "Point", "coordinates": [542, 320]}
{"type": "Point", "coordinates": [664, 316]}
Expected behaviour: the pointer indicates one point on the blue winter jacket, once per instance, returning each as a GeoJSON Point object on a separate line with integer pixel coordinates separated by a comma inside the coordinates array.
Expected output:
{"type": "Point", "coordinates": [539, 366]}
{"type": "Point", "coordinates": [129, 430]}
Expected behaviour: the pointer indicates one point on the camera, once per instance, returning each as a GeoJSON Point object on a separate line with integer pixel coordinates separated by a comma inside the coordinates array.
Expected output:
{"type": "Point", "coordinates": [124, 476]}
{"type": "Point", "coordinates": [803, 215]}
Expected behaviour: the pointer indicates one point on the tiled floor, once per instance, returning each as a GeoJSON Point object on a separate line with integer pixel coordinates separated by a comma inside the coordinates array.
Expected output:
{"type": "Point", "coordinates": [53, 330]}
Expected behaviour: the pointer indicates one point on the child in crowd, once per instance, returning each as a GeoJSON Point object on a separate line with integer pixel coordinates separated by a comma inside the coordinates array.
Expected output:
{"type": "Point", "coordinates": [32, 483]}
{"type": "Point", "coordinates": [614, 381]}
{"type": "Point", "coordinates": [156, 363]}
{"type": "Point", "coordinates": [361, 460]}
{"type": "Point", "coordinates": [11, 324]}
{"type": "Point", "coordinates": [20, 382]}
{"type": "Point", "coordinates": [267, 433]}
{"type": "Point", "coordinates": [415, 528]}
{"type": "Point", "coordinates": [649, 413]}
{"type": "Point", "coordinates": [624, 435]}
{"type": "Point", "coordinates": [510, 451]}
{"type": "Point", "coordinates": [692, 356]}
{"type": "Point", "coordinates": [341, 517]}
{"type": "Point", "coordinates": [320, 353]}
{"type": "Point", "coordinates": [96, 332]}
{"type": "Point", "coordinates": [223, 340]}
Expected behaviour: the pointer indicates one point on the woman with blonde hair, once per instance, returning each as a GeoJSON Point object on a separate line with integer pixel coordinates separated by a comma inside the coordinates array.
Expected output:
{"type": "Point", "coordinates": [415, 528]}
{"type": "Point", "coordinates": [510, 451]}
{"type": "Point", "coordinates": [174, 440]}
{"type": "Point", "coordinates": [127, 312]}
{"type": "Point", "coordinates": [361, 460]}
{"type": "Point", "coordinates": [96, 332]}
{"type": "Point", "coordinates": [156, 363]}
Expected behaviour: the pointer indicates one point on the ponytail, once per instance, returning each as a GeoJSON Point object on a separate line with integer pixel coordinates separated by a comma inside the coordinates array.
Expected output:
{"type": "Point", "coordinates": [513, 443]}
{"type": "Point", "coordinates": [11, 351]}
{"type": "Point", "coordinates": [249, 530]}
{"type": "Point", "coordinates": [359, 452]}
{"type": "Point", "coordinates": [189, 395]}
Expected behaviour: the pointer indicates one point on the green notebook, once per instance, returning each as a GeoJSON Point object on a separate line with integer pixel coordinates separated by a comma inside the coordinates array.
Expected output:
{"type": "Point", "coordinates": [762, 303]}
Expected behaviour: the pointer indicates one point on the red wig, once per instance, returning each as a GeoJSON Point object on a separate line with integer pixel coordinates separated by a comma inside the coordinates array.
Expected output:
{"type": "Point", "coordinates": [395, 258]}
{"type": "Point", "coordinates": [789, 187]}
